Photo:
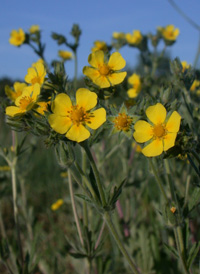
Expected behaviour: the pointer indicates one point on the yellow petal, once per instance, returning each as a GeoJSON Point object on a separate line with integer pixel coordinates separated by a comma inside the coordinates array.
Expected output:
{"type": "Point", "coordinates": [169, 140]}
{"type": "Point", "coordinates": [156, 114]}
{"type": "Point", "coordinates": [173, 123]}
{"type": "Point", "coordinates": [143, 131]}
{"type": "Point", "coordinates": [155, 148]}
{"type": "Point", "coordinates": [36, 91]}
{"type": "Point", "coordinates": [92, 73]}
{"type": "Point", "coordinates": [86, 98]}
{"type": "Point", "coordinates": [13, 111]}
{"type": "Point", "coordinates": [61, 104]}
{"type": "Point", "coordinates": [78, 133]}
{"type": "Point", "coordinates": [132, 93]}
{"type": "Point", "coordinates": [102, 81]}
{"type": "Point", "coordinates": [98, 119]}
{"type": "Point", "coordinates": [59, 124]}
{"type": "Point", "coordinates": [96, 59]}
{"type": "Point", "coordinates": [117, 78]}
{"type": "Point", "coordinates": [30, 75]}
{"type": "Point", "coordinates": [116, 61]}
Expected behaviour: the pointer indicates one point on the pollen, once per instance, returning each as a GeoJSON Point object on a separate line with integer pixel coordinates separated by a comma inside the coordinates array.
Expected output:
{"type": "Point", "coordinates": [122, 122]}
{"type": "Point", "coordinates": [78, 115]}
{"type": "Point", "coordinates": [25, 102]}
{"type": "Point", "coordinates": [159, 131]}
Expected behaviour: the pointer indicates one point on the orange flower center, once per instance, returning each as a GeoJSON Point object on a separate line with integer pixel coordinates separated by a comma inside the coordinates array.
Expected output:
{"type": "Point", "coordinates": [104, 70]}
{"type": "Point", "coordinates": [25, 102]}
{"type": "Point", "coordinates": [159, 131]}
{"type": "Point", "coordinates": [122, 122]}
{"type": "Point", "coordinates": [78, 115]}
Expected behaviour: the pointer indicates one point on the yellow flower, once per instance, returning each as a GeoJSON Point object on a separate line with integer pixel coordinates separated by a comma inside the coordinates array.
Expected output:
{"type": "Point", "coordinates": [185, 66]}
{"type": "Point", "coordinates": [169, 32]}
{"type": "Point", "coordinates": [17, 37]}
{"type": "Point", "coordinates": [135, 81]}
{"type": "Point", "coordinates": [64, 174]}
{"type": "Point", "coordinates": [18, 89]}
{"type": "Point", "coordinates": [57, 204]}
{"type": "Point", "coordinates": [25, 101]}
{"type": "Point", "coordinates": [71, 119]}
{"type": "Point", "coordinates": [99, 45]}
{"type": "Point", "coordinates": [105, 74]}
{"type": "Point", "coordinates": [122, 122]}
{"type": "Point", "coordinates": [136, 147]}
{"type": "Point", "coordinates": [160, 132]}
{"type": "Point", "coordinates": [118, 35]}
{"type": "Point", "coordinates": [195, 85]}
{"type": "Point", "coordinates": [34, 29]}
{"type": "Point", "coordinates": [36, 74]}
{"type": "Point", "coordinates": [135, 38]}
{"type": "Point", "coordinates": [65, 55]}
{"type": "Point", "coordinates": [42, 107]}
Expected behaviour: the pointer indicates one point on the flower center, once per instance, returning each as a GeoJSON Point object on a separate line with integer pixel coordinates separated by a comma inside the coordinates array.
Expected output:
{"type": "Point", "coordinates": [35, 80]}
{"type": "Point", "coordinates": [122, 122]}
{"type": "Point", "coordinates": [78, 115]}
{"type": "Point", "coordinates": [25, 102]}
{"type": "Point", "coordinates": [159, 131]}
{"type": "Point", "coordinates": [104, 70]}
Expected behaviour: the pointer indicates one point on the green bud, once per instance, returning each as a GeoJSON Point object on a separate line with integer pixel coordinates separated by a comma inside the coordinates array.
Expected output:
{"type": "Point", "coordinates": [65, 154]}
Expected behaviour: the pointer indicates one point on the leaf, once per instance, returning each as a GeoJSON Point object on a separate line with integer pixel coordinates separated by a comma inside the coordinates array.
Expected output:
{"type": "Point", "coordinates": [192, 254]}
{"type": "Point", "coordinates": [78, 255]}
{"type": "Point", "coordinates": [172, 250]}
{"type": "Point", "coordinates": [117, 192]}
{"type": "Point", "coordinates": [195, 198]}
{"type": "Point", "coordinates": [85, 198]}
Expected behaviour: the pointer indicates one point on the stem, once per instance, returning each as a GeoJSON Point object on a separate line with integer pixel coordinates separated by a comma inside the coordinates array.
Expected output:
{"type": "Point", "coordinates": [115, 235]}
{"type": "Point", "coordinates": [75, 69]}
{"type": "Point", "coordinates": [100, 234]}
{"type": "Point", "coordinates": [96, 174]}
{"type": "Point", "coordinates": [85, 210]}
{"type": "Point", "coordinates": [74, 207]}
{"type": "Point", "coordinates": [158, 179]}
{"type": "Point", "coordinates": [180, 247]}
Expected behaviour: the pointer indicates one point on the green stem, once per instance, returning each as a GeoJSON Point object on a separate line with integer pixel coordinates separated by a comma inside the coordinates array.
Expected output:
{"type": "Point", "coordinates": [74, 208]}
{"type": "Point", "coordinates": [180, 247]}
{"type": "Point", "coordinates": [158, 180]}
{"type": "Point", "coordinates": [86, 181]}
{"type": "Point", "coordinates": [96, 174]}
{"type": "Point", "coordinates": [85, 209]}
{"type": "Point", "coordinates": [115, 235]}
{"type": "Point", "coordinates": [75, 69]}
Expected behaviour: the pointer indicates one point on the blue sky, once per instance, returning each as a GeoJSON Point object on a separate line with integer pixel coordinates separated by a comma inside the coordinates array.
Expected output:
{"type": "Point", "coordinates": [97, 20]}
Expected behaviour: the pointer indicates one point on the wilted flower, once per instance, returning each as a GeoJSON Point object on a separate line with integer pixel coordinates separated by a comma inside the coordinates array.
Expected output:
{"type": "Point", "coordinates": [17, 38]}
{"type": "Point", "coordinates": [36, 74]}
{"type": "Point", "coordinates": [99, 45]}
{"type": "Point", "coordinates": [72, 120]}
{"type": "Point", "coordinates": [57, 204]}
{"type": "Point", "coordinates": [18, 89]}
{"type": "Point", "coordinates": [135, 81]}
{"type": "Point", "coordinates": [169, 32]}
{"type": "Point", "coordinates": [25, 102]}
{"type": "Point", "coordinates": [105, 74]}
{"type": "Point", "coordinates": [135, 38]}
{"type": "Point", "coordinates": [34, 29]}
{"type": "Point", "coordinates": [65, 55]}
{"type": "Point", "coordinates": [161, 132]}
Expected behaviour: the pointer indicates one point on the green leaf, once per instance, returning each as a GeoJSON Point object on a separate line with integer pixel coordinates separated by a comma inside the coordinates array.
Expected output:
{"type": "Point", "coordinates": [192, 254]}
{"type": "Point", "coordinates": [83, 197]}
{"type": "Point", "coordinates": [172, 250]}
